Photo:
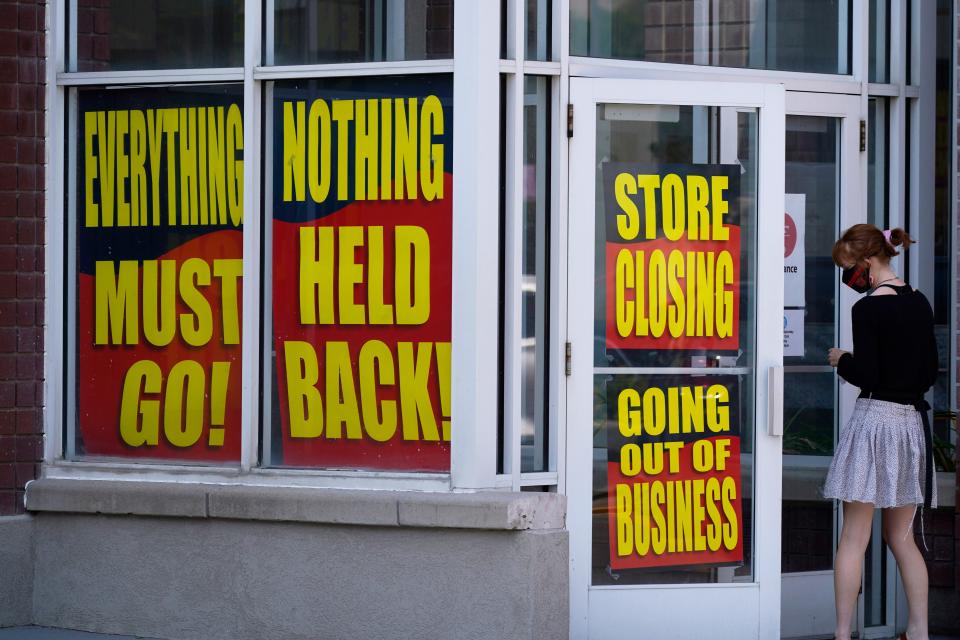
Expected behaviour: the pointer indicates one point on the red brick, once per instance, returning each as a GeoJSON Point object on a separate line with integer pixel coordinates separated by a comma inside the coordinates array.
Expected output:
{"type": "Point", "coordinates": [27, 260]}
{"type": "Point", "coordinates": [7, 476]}
{"type": "Point", "coordinates": [8, 150]}
{"type": "Point", "coordinates": [8, 19]}
{"type": "Point", "coordinates": [27, 18]}
{"type": "Point", "coordinates": [26, 286]}
{"type": "Point", "coordinates": [29, 448]}
{"type": "Point", "coordinates": [8, 96]}
{"type": "Point", "coordinates": [26, 471]}
{"type": "Point", "coordinates": [8, 340]}
{"type": "Point", "coordinates": [26, 394]}
{"type": "Point", "coordinates": [26, 314]}
{"type": "Point", "coordinates": [101, 22]}
{"type": "Point", "coordinates": [27, 71]}
{"type": "Point", "coordinates": [26, 232]}
{"type": "Point", "coordinates": [27, 124]}
{"type": "Point", "coordinates": [101, 48]}
{"type": "Point", "coordinates": [8, 258]}
{"type": "Point", "coordinates": [27, 97]}
{"type": "Point", "coordinates": [26, 368]}
{"type": "Point", "coordinates": [7, 448]}
{"type": "Point", "coordinates": [8, 126]}
{"type": "Point", "coordinates": [8, 201]}
{"type": "Point", "coordinates": [941, 574]}
{"type": "Point", "coordinates": [8, 395]}
{"type": "Point", "coordinates": [8, 422]}
{"type": "Point", "coordinates": [8, 175]}
{"type": "Point", "coordinates": [8, 288]}
{"type": "Point", "coordinates": [27, 340]}
{"type": "Point", "coordinates": [8, 43]}
{"type": "Point", "coordinates": [8, 69]}
{"type": "Point", "coordinates": [27, 44]}
{"type": "Point", "coordinates": [28, 421]}
{"type": "Point", "coordinates": [26, 150]}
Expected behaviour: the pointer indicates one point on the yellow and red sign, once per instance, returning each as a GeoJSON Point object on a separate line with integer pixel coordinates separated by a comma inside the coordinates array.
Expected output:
{"type": "Point", "coordinates": [361, 272]}
{"type": "Point", "coordinates": [671, 297]}
{"type": "Point", "coordinates": [673, 471]}
{"type": "Point", "coordinates": [159, 273]}
{"type": "Point", "coordinates": [672, 257]}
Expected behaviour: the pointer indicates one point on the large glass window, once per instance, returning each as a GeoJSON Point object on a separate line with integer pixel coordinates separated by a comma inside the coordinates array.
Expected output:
{"type": "Point", "coordinates": [157, 34]}
{"type": "Point", "coordinates": [812, 204]}
{"type": "Point", "coordinates": [156, 261]}
{"type": "Point", "coordinates": [323, 31]}
{"type": "Point", "coordinates": [359, 191]}
{"type": "Point", "coordinates": [787, 35]}
{"type": "Point", "coordinates": [944, 195]}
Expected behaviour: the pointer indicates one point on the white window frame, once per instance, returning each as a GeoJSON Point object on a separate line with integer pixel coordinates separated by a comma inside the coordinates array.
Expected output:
{"type": "Point", "coordinates": [475, 69]}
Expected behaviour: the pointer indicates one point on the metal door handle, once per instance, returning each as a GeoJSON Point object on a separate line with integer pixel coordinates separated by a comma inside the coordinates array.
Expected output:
{"type": "Point", "coordinates": [775, 401]}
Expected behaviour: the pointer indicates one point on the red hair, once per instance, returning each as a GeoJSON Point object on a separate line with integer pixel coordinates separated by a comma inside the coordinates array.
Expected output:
{"type": "Point", "coordinates": [862, 241]}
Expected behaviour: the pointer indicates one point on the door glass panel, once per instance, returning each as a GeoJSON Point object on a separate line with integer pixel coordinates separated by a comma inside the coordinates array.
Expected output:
{"type": "Point", "coordinates": [812, 186]}
{"type": "Point", "coordinates": [674, 344]}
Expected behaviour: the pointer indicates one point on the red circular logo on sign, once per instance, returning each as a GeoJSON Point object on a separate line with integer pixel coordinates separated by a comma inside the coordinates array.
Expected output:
{"type": "Point", "coordinates": [789, 235]}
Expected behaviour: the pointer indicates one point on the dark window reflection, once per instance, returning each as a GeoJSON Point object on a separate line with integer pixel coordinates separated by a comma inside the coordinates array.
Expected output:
{"type": "Point", "coordinates": [114, 35]}
{"type": "Point", "coordinates": [330, 31]}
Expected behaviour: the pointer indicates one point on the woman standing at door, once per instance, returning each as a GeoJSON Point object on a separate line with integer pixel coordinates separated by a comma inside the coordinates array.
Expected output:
{"type": "Point", "coordinates": [882, 459]}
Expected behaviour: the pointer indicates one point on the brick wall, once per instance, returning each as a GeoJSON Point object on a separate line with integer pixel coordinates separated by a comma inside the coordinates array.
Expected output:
{"type": "Point", "coordinates": [22, 70]}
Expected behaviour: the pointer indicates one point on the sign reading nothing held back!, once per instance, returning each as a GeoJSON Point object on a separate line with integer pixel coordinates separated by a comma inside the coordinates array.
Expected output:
{"type": "Point", "coordinates": [361, 272]}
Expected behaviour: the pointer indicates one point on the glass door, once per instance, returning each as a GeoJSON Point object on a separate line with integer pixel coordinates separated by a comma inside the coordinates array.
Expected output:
{"type": "Point", "coordinates": [823, 182]}
{"type": "Point", "coordinates": [674, 411]}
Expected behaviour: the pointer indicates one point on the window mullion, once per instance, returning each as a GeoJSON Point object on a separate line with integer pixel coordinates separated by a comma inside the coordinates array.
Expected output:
{"type": "Point", "coordinates": [250, 376]}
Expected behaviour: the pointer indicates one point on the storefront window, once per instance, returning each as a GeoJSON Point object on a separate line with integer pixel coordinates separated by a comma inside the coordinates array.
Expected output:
{"type": "Point", "coordinates": [327, 31]}
{"type": "Point", "coordinates": [359, 251]}
{"type": "Point", "coordinates": [157, 34]}
{"type": "Point", "coordinates": [535, 281]}
{"type": "Point", "coordinates": [812, 185]}
{"type": "Point", "coordinates": [879, 58]}
{"type": "Point", "coordinates": [786, 35]}
{"type": "Point", "coordinates": [157, 270]}
{"type": "Point", "coordinates": [878, 170]}
{"type": "Point", "coordinates": [944, 282]}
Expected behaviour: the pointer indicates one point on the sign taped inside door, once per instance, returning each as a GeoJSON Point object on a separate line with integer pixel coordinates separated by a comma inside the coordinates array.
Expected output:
{"type": "Point", "coordinates": [673, 471]}
{"type": "Point", "coordinates": [794, 254]}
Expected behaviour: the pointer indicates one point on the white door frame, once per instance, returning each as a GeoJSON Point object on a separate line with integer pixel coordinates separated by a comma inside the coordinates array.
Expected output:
{"type": "Point", "coordinates": [730, 610]}
{"type": "Point", "coordinates": [807, 593]}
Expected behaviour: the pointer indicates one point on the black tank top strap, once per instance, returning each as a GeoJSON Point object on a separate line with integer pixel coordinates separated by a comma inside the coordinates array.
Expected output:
{"type": "Point", "coordinates": [899, 288]}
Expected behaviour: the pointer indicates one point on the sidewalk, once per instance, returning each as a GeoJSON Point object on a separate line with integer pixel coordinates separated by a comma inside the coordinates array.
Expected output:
{"type": "Point", "coordinates": [45, 633]}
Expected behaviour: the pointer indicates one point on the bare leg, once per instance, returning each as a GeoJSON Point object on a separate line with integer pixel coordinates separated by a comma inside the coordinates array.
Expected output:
{"type": "Point", "coordinates": [857, 520]}
{"type": "Point", "coordinates": [898, 534]}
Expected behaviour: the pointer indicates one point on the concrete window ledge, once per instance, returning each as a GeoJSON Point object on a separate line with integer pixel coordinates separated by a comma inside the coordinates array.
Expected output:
{"type": "Point", "coordinates": [492, 510]}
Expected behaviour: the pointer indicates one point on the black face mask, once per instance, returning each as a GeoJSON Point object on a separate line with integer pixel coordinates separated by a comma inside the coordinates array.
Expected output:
{"type": "Point", "coordinates": [857, 278]}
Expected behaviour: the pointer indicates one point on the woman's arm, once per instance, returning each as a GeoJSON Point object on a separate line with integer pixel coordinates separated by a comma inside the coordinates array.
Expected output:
{"type": "Point", "coordinates": [862, 367]}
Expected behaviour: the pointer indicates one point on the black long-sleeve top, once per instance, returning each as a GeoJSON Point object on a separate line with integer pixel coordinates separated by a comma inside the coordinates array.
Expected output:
{"type": "Point", "coordinates": [894, 347]}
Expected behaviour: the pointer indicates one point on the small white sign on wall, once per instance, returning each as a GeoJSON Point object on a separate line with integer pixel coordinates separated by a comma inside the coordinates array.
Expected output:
{"type": "Point", "coordinates": [793, 332]}
{"type": "Point", "coordinates": [794, 255]}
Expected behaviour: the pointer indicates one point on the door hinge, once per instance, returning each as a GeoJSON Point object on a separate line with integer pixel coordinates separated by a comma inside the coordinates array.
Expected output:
{"type": "Point", "coordinates": [567, 356]}
{"type": "Point", "coordinates": [570, 120]}
{"type": "Point", "coordinates": [863, 136]}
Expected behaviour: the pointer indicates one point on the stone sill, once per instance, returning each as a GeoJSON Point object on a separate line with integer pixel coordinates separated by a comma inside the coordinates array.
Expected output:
{"type": "Point", "coordinates": [492, 510]}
